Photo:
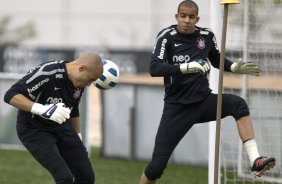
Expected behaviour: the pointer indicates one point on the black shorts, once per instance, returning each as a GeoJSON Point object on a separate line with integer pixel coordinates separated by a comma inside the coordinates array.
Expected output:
{"type": "Point", "coordinates": [177, 119]}
{"type": "Point", "coordinates": [59, 150]}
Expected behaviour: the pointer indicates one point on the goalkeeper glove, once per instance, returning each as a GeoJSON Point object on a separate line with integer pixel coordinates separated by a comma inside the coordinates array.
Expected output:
{"type": "Point", "coordinates": [199, 65]}
{"type": "Point", "coordinates": [54, 112]}
{"type": "Point", "coordinates": [240, 67]}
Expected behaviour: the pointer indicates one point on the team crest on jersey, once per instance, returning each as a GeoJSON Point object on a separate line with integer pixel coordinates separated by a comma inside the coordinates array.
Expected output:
{"type": "Point", "coordinates": [201, 43]}
{"type": "Point", "coordinates": [77, 93]}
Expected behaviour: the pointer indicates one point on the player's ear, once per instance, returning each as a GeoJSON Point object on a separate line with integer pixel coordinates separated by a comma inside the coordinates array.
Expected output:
{"type": "Point", "coordinates": [81, 68]}
{"type": "Point", "coordinates": [176, 16]}
{"type": "Point", "coordinates": [198, 18]}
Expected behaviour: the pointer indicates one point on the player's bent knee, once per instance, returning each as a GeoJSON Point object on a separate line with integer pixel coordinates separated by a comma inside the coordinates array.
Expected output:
{"type": "Point", "coordinates": [86, 178]}
{"type": "Point", "coordinates": [241, 109]}
{"type": "Point", "coordinates": [154, 172]}
{"type": "Point", "coordinates": [65, 181]}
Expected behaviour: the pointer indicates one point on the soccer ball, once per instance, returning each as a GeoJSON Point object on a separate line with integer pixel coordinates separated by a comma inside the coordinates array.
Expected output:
{"type": "Point", "coordinates": [110, 76]}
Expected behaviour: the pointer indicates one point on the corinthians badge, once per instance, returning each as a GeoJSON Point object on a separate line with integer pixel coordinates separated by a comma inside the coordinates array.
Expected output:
{"type": "Point", "coordinates": [201, 43]}
{"type": "Point", "coordinates": [77, 93]}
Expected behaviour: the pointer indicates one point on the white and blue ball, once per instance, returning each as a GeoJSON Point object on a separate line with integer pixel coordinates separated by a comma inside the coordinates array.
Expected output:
{"type": "Point", "coordinates": [110, 76]}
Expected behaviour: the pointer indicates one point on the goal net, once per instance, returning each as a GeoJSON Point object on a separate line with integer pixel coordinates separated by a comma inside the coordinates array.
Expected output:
{"type": "Point", "coordinates": [255, 34]}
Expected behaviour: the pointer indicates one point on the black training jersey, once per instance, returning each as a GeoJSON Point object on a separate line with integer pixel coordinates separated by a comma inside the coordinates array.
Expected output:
{"type": "Point", "coordinates": [47, 83]}
{"type": "Point", "coordinates": [172, 49]}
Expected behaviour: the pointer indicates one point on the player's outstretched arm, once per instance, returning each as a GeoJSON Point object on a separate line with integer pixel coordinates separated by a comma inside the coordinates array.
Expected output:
{"type": "Point", "coordinates": [239, 67]}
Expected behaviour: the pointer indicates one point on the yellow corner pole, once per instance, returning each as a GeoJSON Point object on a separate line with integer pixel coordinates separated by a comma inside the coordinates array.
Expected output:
{"type": "Point", "coordinates": [220, 87]}
{"type": "Point", "coordinates": [229, 2]}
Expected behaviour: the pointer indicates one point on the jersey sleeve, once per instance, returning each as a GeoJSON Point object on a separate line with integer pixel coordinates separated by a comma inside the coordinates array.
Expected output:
{"type": "Point", "coordinates": [159, 64]}
{"type": "Point", "coordinates": [214, 57]}
{"type": "Point", "coordinates": [30, 86]}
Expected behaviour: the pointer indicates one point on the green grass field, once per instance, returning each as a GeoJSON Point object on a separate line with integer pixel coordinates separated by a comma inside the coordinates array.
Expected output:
{"type": "Point", "coordinates": [19, 167]}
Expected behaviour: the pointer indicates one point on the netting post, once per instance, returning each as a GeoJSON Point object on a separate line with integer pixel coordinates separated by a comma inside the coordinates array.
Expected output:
{"type": "Point", "coordinates": [215, 25]}
{"type": "Point", "coordinates": [220, 87]}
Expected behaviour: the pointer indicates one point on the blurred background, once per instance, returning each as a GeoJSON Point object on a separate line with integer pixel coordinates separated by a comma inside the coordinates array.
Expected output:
{"type": "Point", "coordinates": [122, 122]}
{"type": "Point", "coordinates": [124, 31]}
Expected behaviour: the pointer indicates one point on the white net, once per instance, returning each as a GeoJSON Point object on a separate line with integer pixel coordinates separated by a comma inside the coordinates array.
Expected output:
{"type": "Point", "coordinates": [255, 33]}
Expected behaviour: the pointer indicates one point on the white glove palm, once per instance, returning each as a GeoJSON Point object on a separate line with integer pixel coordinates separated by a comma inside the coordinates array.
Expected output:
{"type": "Point", "coordinates": [240, 67]}
{"type": "Point", "coordinates": [199, 65]}
{"type": "Point", "coordinates": [54, 112]}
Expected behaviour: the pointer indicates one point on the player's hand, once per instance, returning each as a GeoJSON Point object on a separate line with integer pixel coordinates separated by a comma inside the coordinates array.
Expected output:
{"type": "Point", "coordinates": [196, 66]}
{"type": "Point", "coordinates": [54, 112]}
{"type": "Point", "coordinates": [239, 67]}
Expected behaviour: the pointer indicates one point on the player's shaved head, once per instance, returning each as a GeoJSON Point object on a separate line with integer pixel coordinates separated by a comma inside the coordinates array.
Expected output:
{"type": "Point", "coordinates": [90, 59]}
{"type": "Point", "coordinates": [188, 3]}
{"type": "Point", "coordinates": [85, 69]}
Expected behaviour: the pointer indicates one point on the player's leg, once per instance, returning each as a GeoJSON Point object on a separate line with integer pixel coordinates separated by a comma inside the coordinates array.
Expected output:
{"type": "Point", "coordinates": [145, 180]}
{"type": "Point", "coordinates": [245, 128]}
{"type": "Point", "coordinates": [246, 132]}
{"type": "Point", "coordinates": [259, 164]}
{"type": "Point", "coordinates": [236, 106]}
{"type": "Point", "coordinates": [232, 105]}
{"type": "Point", "coordinates": [43, 148]}
{"type": "Point", "coordinates": [75, 155]}
{"type": "Point", "coordinates": [173, 126]}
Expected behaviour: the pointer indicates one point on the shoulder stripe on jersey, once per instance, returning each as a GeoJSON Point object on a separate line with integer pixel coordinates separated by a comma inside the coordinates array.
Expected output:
{"type": "Point", "coordinates": [162, 33]}
{"type": "Point", "coordinates": [40, 72]}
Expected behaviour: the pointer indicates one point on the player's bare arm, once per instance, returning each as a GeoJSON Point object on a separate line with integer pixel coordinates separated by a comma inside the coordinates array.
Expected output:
{"type": "Point", "coordinates": [21, 102]}
{"type": "Point", "coordinates": [75, 122]}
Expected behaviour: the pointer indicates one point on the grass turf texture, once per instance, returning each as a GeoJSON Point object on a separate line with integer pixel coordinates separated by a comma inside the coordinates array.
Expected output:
{"type": "Point", "coordinates": [20, 167]}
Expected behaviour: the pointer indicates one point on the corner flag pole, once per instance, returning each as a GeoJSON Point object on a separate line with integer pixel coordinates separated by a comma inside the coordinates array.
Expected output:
{"type": "Point", "coordinates": [220, 84]}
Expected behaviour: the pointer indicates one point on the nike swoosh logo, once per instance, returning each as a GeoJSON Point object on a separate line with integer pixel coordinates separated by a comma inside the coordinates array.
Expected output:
{"type": "Point", "coordinates": [50, 111]}
{"type": "Point", "coordinates": [56, 88]}
{"type": "Point", "coordinates": [176, 45]}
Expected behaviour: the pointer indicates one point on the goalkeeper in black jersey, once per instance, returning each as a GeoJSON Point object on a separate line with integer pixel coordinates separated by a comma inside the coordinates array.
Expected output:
{"type": "Point", "coordinates": [182, 55]}
{"type": "Point", "coordinates": [48, 122]}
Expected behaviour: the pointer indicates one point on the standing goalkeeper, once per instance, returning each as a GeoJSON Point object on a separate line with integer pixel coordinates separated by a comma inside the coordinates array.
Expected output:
{"type": "Point", "coordinates": [182, 55]}
{"type": "Point", "coordinates": [48, 122]}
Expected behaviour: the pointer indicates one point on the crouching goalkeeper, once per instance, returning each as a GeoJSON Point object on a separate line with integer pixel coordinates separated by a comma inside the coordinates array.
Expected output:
{"type": "Point", "coordinates": [182, 55]}
{"type": "Point", "coordinates": [48, 122]}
